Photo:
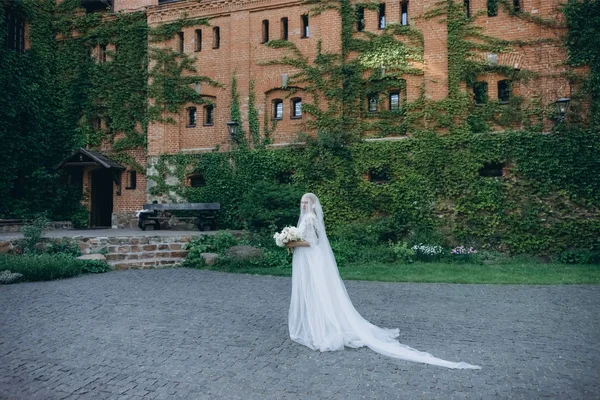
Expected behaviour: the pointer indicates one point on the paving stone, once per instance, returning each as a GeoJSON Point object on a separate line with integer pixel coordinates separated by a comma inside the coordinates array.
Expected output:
{"type": "Point", "coordinates": [182, 333]}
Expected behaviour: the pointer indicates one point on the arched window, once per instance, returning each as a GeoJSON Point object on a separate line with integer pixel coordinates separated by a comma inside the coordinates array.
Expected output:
{"type": "Point", "coordinates": [373, 103]}
{"type": "Point", "coordinates": [216, 37]}
{"type": "Point", "coordinates": [191, 112]}
{"type": "Point", "coordinates": [480, 92]}
{"type": "Point", "coordinates": [394, 100]}
{"type": "Point", "coordinates": [277, 109]}
{"type": "Point", "coordinates": [360, 18]}
{"type": "Point", "coordinates": [284, 28]}
{"type": "Point", "coordinates": [296, 108]}
{"type": "Point", "coordinates": [305, 28]}
{"type": "Point", "coordinates": [209, 115]}
{"type": "Point", "coordinates": [404, 13]}
{"type": "Point", "coordinates": [198, 39]}
{"type": "Point", "coordinates": [504, 91]}
{"type": "Point", "coordinates": [265, 31]}
{"type": "Point", "coordinates": [381, 16]}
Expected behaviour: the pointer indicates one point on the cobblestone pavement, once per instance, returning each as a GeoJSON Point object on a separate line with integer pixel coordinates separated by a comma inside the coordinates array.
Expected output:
{"type": "Point", "coordinates": [179, 333]}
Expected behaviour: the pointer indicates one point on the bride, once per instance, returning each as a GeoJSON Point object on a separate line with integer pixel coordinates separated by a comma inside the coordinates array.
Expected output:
{"type": "Point", "coordinates": [321, 315]}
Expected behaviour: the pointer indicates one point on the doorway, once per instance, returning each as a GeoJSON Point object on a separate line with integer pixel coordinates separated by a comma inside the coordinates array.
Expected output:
{"type": "Point", "coordinates": [102, 198]}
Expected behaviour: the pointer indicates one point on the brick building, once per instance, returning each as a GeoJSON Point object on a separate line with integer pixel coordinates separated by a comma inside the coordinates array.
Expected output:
{"type": "Point", "coordinates": [235, 45]}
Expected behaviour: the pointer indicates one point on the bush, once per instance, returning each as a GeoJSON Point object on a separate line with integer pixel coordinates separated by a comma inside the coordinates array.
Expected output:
{"type": "Point", "coordinates": [93, 266]}
{"type": "Point", "coordinates": [271, 206]}
{"type": "Point", "coordinates": [369, 233]}
{"type": "Point", "coordinates": [216, 243]}
{"type": "Point", "coordinates": [348, 252]}
{"type": "Point", "coordinates": [41, 267]}
{"type": "Point", "coordinates": [579, 257]}
{"type": "Point", "coordinates": [33, 233]}
{"type": "Point", "coordinates": [80, 217]}
{"type": "Point", "coordinates": [7, 277]}
{"type": "Point", "coordinates": [427, 252]}
{"type": "Point", "coordinates": [404, 254]}
{"type": "Point", "coordinates": [66, 246]}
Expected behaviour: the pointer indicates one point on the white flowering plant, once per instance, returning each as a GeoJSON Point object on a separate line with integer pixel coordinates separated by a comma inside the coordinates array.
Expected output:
{"type": "Point", "coordinates": [287, 235]}
{"type": "Point", "coordinates": [427, 252]}
{"type": "Point", "coordinates": [463, 254]}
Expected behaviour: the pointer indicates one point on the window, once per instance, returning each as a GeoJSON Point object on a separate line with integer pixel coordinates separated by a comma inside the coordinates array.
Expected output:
{"type": "Point", "coordinates": [209, 111]}
{"type": "Point", "coordinates": [380, 175]}
{"type": "Point", "coordinates": [284, 29]}
{"type": "Point", "coordinates": [404, 13]}
{"type": "Point", "coordinates": [467, 7]}
{"type": "Point", "coordinates": [504, 89]}
{"type": "Point", "coordinates": [15, 32]}
{"type": "Point", "coordinates": [492, 8]}
{"type": "Point", "coordinates": [373, 103]}
{"type": "Point", "coordinates": [360, 18]}
{"type": "Point", "coordinates": [197, 181]}
{"type": "Point", "coordinates": [216, 37]}
{"type": "Point", "coordinates": [480, 92]}
{"type": "Point", "coordinates": [296, 108]}
{"type": "Point", "coordinates": [277, 109]}
{"type": "Point", "coordinates": [491, 169]}
{"type": "Point", "coordinates": [191, 111]}
{"type": "Point", "coordinates": [305, 29]}
{"type": "Point", "coordinates": [198, 39]}
{"type": "Point", "coordinates": [102, 53]}
{"type": "Point", "coordinates": [180, 42]}
{"type": "Point", "coordinates": [381, 16]}
{"type": "Point", "coordinates": [517, 5]}
{"type": "Point", "coordinates": [132, 180]}
{"type": "Point", "coordinates": [265, 31]}
{"type": "Point", "coordinates": [96, 123]}
{"type": "Point", "coordinates": [394, 101]}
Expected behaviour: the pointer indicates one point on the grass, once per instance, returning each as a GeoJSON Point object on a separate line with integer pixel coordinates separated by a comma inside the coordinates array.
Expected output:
{"type": "Point", "coordinates": [527, 273]}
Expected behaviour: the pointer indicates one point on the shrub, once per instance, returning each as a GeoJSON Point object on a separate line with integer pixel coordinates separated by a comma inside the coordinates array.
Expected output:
{"type": "Point", "coordinates": [348, 252]}
{"type": "Point", "coordinates": [93, 266]}
{"type": "Point", "coordinates": [80, 217]}
{"type": "Point", "coordinates": [33, 233]}
{"type": "Point", "coordinates": [66, 246]}
{"type": "Point", "coordinates": [428, 253]}
{"type": "Point", "coordinates": [270, 206]}
{"type": "Point", "coordinates": [404, 254]}
{"type": "Point", "coordinates": [216, 243]}
{"type": "Point", "coordinates": [579, 257]}
{"type": "Point", "coordinates": [462, 255]}
{"type": "Point", "coordinates": [41, 267]}
{"type": "Point", "coordinates": [369, 233]}
{"type": "Point", "coordinates": [7, 277]}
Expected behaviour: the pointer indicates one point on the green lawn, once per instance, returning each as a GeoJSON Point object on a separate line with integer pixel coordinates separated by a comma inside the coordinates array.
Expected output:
{"type": "Point", "coordinates": [514, 273]}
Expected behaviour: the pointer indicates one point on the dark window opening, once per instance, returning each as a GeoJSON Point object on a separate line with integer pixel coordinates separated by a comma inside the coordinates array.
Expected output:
{"type": "Point", "coordinates": [467, 6]}
{"type": "Point", "coordinates": [198, 39]}
{"type": "Point", "coordinates": [180, 42]}
{"type": "Point", "coordinates": [216, 37]}
{"type": "Point", "coordinates": [381, 16]}
{"type": "Point", "coordinates": [380, 175]}
{"type": "Point", "coordinates": [102, 53]}
{"type": "Point", "coordinates": [92, 6]}
{"type": "Point", "coordinates": [277, 109]}
{"type": "Point", "coordinates": [191, 116]}
{"type": "Point", "coordinates": [504, 89]}
{"type": "Point", "coordinates": [517, 5]}
{"type": "Point", "coordinates": [305, 28]}
{"type": "Point", "coordinates": [296, 108]}
{"type": "Point", "coordinates": [209, 118]}
{"type": "Point", "coordinates": [373, 103]}
{"type": "Point", "coordinates": [285, 178]}
{"type": "Point", "coordinates": [480, 92]}
{"type": "Point", "coordinates": [394, 101]}
{"type": "Point", "coordinates": [404, 13]}
{"type": "Point", "coordinates": [108, 124]}
{"type": "Point", "coordinates": [492, 8]}
{"type": "Point", "coordinates": [96, 123]}
{"type": "Point", "coordinates": [132, 180]}
{"type": "Point", "coordinates": [15, 32]}
{"type": "Point", "coordinates": [284, 29]}
{"type": "Point", "coordinates": [360, 19]}
{"type": "Point", "coordinates": [197, 181]}
{"type": "Point", "coordinates": [491, 169]}
{"type": "Point", "coordinates": [265, 31]}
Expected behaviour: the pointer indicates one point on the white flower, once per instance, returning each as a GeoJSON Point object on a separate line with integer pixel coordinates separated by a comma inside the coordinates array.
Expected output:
{"type": "Point", "coordinates": [288, 234]}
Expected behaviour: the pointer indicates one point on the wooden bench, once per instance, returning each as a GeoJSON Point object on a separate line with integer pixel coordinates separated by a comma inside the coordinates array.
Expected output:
{"type": "Point", "coordinates": [205, 214]}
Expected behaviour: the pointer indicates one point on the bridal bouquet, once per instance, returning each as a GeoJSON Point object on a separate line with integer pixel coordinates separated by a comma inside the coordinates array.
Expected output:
{"type": "Point", "coordinates": [288, 234]}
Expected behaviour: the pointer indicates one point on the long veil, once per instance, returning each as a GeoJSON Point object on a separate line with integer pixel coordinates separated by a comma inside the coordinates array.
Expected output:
{"type": "Point", "coordinates": [334, 301]}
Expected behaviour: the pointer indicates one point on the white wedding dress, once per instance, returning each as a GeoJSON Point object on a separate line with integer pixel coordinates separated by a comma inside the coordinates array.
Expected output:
{"type": "Point", "coordinates": [321, 315]}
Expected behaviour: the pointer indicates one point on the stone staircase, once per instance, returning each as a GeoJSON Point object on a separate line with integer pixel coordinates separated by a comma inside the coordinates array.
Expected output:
{"type": "Point", "coordinates": [138, 252]}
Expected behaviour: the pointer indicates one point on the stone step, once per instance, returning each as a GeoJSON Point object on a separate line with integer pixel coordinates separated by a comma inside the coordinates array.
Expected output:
{"type": "Point", "coordinates": [146, 255]}
{"type": "Point", "coordinates": [145, 263]}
